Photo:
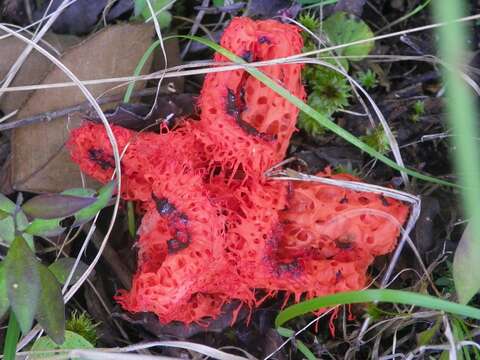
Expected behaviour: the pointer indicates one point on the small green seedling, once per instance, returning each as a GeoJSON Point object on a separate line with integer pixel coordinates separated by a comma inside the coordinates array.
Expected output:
{"type": "Point", "coordinates": [418, 110]}
{"type": "Point", "coordinates": [368, 79]}
{"type": "Point", "coordinates": [29, 289]}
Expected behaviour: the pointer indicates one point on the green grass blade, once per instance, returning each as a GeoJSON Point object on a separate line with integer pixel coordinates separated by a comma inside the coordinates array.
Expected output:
{"type": "Point", "coordinates": [330, 125]}
{"type": "Point", "coordinates": [385, 295]}
{"type": "Point", "coordinates": [464, 123]}
{"type": "Point", "coordinates": [138, 69]}
{"type": "Point", "coordinates": [13, 334]}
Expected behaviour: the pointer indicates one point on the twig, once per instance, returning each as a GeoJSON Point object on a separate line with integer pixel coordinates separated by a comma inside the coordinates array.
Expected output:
{"type": "Point", "coordinates": [194, 28]}
{"type": "Point", "coordinates": [84, 106]}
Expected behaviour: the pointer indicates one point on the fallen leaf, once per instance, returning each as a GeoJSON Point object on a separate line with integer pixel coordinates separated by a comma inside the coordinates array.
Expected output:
{"type": "Point", "coordinates": [39, 161]}
{"type": "Point", "coordinates": [33, 70]}
{"type": "Point", "coordinates": [82, 16]}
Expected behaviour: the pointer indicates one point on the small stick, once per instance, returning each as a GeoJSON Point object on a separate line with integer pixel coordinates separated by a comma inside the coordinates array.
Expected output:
{"type": "Point", "coordinates": [52, 115]}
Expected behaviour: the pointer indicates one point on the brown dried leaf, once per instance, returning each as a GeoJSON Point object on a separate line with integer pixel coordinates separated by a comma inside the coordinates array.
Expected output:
{"type": "Point", "coordinates": [40, 163]}
{"type": "Point", "coordinates": [33, 70]}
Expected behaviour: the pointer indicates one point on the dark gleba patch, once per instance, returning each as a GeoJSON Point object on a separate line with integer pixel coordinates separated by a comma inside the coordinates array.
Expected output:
{"type": "Point", "coordinates": [164, 207]}
{"type": "Point", "coordinates": [177, 224]}
{"type": "Point", "coordinates": [234, 108]}
{"type": "Point", "coordinates": [98, 156]}
{"type": "Point", "coordinates": [292, 268]}
{"type": "Point", "coordinates": [174, 245]}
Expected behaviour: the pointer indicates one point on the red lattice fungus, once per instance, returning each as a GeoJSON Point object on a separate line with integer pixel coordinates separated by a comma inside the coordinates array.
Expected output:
{"type": "Point", "coordinates": [215, 229]}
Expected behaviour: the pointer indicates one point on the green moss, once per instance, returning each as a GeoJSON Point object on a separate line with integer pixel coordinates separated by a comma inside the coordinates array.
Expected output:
{"type": "Point", "coordinates": [368, 79]}
{"type": "Point", "coordinates": [83, 325]}
{"type": "Point", "coordinates": [310, 21]}
{"type": "Point", "coordinates": [329, 92]}
{"type": "Point", "coordinates": [346, 169]}
{"type": "Point", "coordinates": [418, 110]}
{"type": "Point", "coordinates": [377, 139]}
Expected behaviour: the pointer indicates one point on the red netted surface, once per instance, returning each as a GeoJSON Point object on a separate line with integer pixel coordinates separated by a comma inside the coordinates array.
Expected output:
{"type": "Point", "coordinates": [215, 229]}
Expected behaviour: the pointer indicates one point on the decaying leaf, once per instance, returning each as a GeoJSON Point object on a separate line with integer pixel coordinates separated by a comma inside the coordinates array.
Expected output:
{"type": "Point", "coordinates": [33, 70]}
{"type": "Point", "coordinates": [39, 162]}
{"type": "Point", "coordinates": [81, 17]}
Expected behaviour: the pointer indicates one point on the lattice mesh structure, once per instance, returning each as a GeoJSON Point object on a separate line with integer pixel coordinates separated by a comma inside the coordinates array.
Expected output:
{"type": "Point", "coordinates": [215, 229]}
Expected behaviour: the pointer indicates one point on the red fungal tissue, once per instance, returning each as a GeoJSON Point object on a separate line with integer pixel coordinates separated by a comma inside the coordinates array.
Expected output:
{"type": "Point", "coordinates": [215, 229]}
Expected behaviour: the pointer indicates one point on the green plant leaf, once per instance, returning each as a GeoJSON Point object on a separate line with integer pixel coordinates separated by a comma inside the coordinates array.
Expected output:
{"type": "Point", "coordinates": [7, 229]}
{"type": "Point", "coordinates": [299, 344]}
{"type": "Point", "coordinates": [305, 350]}
{"type": "Point", "coordinates": [425, 337]}
{"type": "Point", "coordinates": [23, 282]}
{"type": "Point", "coordinates": [464, 260]}
{"type": "Point", "coordinates": [4, 303]}
{"type": "Point", "coordinates": [7, 225]}
{"type": "Point", "coordinates": [51, 308]}
{"type": "Point", "coordinates": [285, 332]}
{"type": "Point", "coordinates": [462, 116]}
{"type": "Point", "coordinates": [6, 204]}
{"type": "Point", "coordinates": [330, 125]}
{"type": "Point", "coordinates": [138, 7]}
{"type": "Point", "coordinates": [53, 206]}
{"type": "Point", "coordinates": [384, 295]}
{"type": "Point", "coordinates": [45, 227]}
{"type": "Point", "coordinates": [164, 17]}
{"type": "Point", "coordinates": [62, 267]}
{"type": "Point", "coordinates": [104, 195]}
{"type": "Point", "coordinates": [72, 341]}
{"type": "Point", "coordinates": [343, 28]}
